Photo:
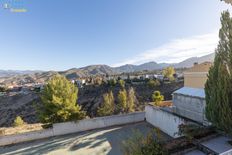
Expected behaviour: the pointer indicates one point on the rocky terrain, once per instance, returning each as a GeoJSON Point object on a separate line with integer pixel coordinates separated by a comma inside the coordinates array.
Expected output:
{"type": "Point", "coordinates": [89, 98]}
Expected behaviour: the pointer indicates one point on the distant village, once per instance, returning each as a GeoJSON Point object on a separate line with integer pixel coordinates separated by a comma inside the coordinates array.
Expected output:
{"type": "Point", "coordinates": [26, 86]}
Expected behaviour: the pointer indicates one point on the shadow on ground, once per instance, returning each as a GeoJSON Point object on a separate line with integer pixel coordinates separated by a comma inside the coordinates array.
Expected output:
{"type": "Point", "coordinates": [102, 141]}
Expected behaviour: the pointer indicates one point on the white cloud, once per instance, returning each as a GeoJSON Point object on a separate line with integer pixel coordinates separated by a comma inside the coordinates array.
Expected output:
{"type": "Point", "coordinates": [177, 50]}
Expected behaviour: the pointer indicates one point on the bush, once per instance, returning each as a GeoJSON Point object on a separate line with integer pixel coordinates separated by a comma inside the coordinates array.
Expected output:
{"type": "Point", "coordinates": [157, 98]}
{"type": "Point", "coordinates": [193, 131]}
{"type": "Point", "coordinates": [137, 144]}
{"type": "Point", "coordinates": [112, 82]}
{"type": "Point", "coordinates": [2, 132]}
{"type": "Point", "coordinates": [121, 83]}
{"type": "Point", "coordinates": [153, 83]}
{"type": "Point", "coordinates": [18, 122]}
{"type": "Point", "coordinates": [3, 89]}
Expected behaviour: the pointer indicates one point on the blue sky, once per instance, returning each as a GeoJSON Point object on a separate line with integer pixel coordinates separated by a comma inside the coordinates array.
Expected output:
{"type": "Point", "coordinates": [62, 34]}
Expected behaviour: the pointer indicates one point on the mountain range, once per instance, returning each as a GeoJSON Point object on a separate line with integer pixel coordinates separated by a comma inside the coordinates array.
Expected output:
{"type": "Point", "coordinates": [99, 70]}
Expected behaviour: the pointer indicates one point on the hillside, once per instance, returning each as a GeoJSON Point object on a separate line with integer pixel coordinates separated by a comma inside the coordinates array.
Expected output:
{"type": "Point", "coordinates": [156, 66]}
{"type": "Point", "coordinates": [189, 62]}
{"type": "Point", "coordinates": [88, 71]}
{"type": "Point", "coordinates": [40, 77]}
{"type": "Point", "coordinates": [89, 98]}
{"type": "Point", "coordinates": [8, 73]}
{"type": "Point", "coordinates": [26, 76]}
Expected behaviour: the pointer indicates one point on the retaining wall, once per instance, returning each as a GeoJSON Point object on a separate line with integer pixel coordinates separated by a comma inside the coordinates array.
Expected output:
{"type": "Point", "coordinates": [164, 120]}
{"type": "Point", "coordinates": [23, 137]}
{"type": "Point", "coordinates": [73, 127]}
{"type": "Point", "coordinates": [96, 123]}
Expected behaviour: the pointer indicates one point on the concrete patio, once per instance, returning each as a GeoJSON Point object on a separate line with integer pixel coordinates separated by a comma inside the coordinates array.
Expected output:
{"type": "Point", "coordinates": [96, 142]}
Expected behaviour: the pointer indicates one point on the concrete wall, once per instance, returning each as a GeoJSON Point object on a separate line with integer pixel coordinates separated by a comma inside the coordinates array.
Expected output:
{"type": "Point", "coordinates": [190, 107]}
{"type": "Point", "coordinates": [73, 127]}
{"type": "Point", "coordinates": [226, 153]}
{"type": "Point", "coordinates": [195, 79]}
{"type": "Point", "coordinates": [164, 120]}
{"type": "Point", "coordinates": [13, 139]}
{"type": "Point", "coordinates": [99, 122]}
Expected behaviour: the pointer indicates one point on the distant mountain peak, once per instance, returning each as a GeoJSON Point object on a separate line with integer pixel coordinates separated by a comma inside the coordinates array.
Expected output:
{"type": "Point", "coordinates": [92, 70]}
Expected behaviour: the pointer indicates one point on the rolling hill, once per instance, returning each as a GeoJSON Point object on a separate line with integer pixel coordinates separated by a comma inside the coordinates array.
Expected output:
{"type": "Point", "coordinates": [40, 76]}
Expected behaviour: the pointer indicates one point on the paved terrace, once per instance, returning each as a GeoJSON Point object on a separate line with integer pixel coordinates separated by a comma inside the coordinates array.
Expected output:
{"type": "Point", "coordinates": [96, 142]}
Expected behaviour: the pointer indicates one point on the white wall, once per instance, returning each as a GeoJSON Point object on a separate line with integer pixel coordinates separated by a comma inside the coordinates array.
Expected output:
{"type": "Point", "coordinates": [99, 122]}
{"type": "Point", "coordinates": [165, 121]}
{"type": "Point", "coordinates": [226, 153]}
{"type": "Point", "coordinates": [17, 138]}
{"type": "Point", "coordinates": [73, 127]}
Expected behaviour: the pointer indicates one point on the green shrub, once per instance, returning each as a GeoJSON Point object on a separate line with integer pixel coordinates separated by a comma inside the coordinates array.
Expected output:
{"type": "Point", "coordinates": [112, 82]}
{"type": "Point", "coordinates": [153, 83]}
{"type": "Point", "coordinates": [18, 121]}
{"type": "Point", "coordinates": [121, 83]}
{"type": "Point", "coordinates": [3, 89]}
{"type": "Point", "coordinates": [157, 98]}
{"type": "Point", "coordinates": [138, 144]}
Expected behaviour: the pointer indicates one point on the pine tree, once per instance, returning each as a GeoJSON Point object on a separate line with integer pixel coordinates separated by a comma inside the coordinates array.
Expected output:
{"type": "Point", "coordinates": [107, 107]}
{"type": "Point", "coordinates": [122, 100]}
{"type": "Point", "coordinates": [218, 87]}
{"type": "Point", "coordinates": [131, 100]}
{"type": "Point", "coordinates": [59, 99]}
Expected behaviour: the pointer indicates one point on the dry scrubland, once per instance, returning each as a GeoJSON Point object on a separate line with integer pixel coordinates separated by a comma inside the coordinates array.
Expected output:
{"type": "Point", "coordinates": [20, 129]}
{"type": "Point", "coordinates": [89, 97]}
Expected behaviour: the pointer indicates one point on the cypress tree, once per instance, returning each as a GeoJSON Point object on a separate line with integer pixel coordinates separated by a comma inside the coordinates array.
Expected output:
{"type": "Point", "coordinates": [218, 87]}
{"type": "Point", "coordinates": [107, 108]}
{"type": "Point", "coordinates": [122, 100]}
{"type": "Point", "coordinates": [131, 100]}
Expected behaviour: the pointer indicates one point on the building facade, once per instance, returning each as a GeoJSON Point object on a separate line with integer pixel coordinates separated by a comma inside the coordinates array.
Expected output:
{"type": "Point", "coordinates": [196, 76]}
{"type": "Point", "coordinates": [189, 101]}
